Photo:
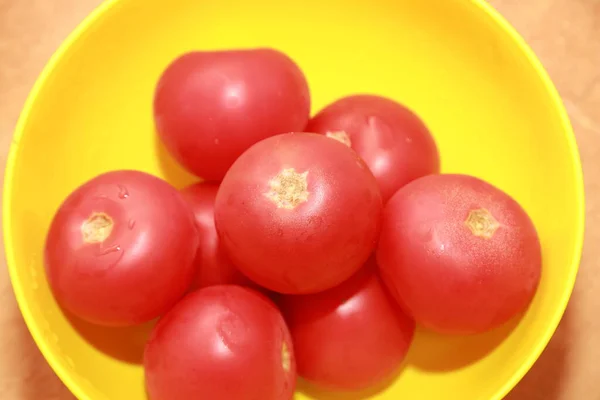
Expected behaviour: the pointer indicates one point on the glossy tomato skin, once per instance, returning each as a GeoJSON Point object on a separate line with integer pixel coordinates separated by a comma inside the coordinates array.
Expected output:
{"type": "Point", "coordinates": [394, 142]}
{"type": "Point", "coordinates": [298, 213]}
{"type": "Point", "coordinates": [459, 254]}
{"type": "Point", "coordinates": [210, 107]}
{"type": "Point", "coordinates": [120, 249]}
{"type": "Point", "coordinates": [221, 343]}
{"type": "Point", "coordinates": [213, 266]}
{"type": "Point", "coordinates": [350, 337]}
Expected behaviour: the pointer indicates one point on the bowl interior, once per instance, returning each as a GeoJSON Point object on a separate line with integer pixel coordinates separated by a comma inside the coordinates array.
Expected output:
{"type": "Point", "coordinates": [454, 62]}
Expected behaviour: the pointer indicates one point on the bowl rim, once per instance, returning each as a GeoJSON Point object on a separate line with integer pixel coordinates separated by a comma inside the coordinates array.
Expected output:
{"type": "Point", "coordinates": [108, 6]}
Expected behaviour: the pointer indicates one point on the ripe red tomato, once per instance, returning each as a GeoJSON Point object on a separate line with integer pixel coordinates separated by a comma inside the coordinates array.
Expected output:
{"type": "Point", "coordinates": [458, 253]}
{"type": "Point", "coordinates": [393, 141]}
{"type": "Point", "coordinates": [213, 266]}
{"type": "Point", "coordinates": [211, 106]}
{"type": "Point", "coordinates": [349, 337]}
{"type": "Point", "coordinates": [221, 343]}
{"type": "Point", "coordinates": [120, 249]}
{"type": "Point", "coordinates": [298, 213]}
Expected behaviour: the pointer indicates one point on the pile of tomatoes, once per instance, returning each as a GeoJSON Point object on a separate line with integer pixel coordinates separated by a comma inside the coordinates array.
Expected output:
{"type": "Point", "coordinates": [311, 247]}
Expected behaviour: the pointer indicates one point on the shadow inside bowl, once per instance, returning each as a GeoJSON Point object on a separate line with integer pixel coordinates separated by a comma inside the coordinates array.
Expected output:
{"type": "Point", "coordinates": [438, 353]}
{"type": "Point", "coordinates": [314, 392]}
{"type": "Point", "coordinates": [171, 170]}
{"type": "Point", "coordinates": [124, 344]}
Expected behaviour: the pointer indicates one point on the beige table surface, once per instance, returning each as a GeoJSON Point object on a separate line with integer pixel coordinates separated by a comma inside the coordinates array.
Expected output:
{"type": "Point", "coordinates": [566, 36]}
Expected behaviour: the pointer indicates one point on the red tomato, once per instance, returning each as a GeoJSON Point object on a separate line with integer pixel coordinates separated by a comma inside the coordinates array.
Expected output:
{"type": "Point", "coordinates": [210, 107]}
{"type": "Point", "coordinates": [120, 249]}
{"type": "Point", "coordinates": [213, 266]}
{"type": "Point", "coordinates": [221, 343]}
{"type": "Point", "coordinates": [349, 337]}
{"type": "Point", "coordinates": [298, 213]}
{"type": "Point", "coordinates": [459, 254]}
{"type": "Point", "coordinates": [393, 141]}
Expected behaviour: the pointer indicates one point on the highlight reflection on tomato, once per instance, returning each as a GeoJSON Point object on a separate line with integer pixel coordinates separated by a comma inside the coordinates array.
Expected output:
{"type": "Point", "coordinates": [350, 337]}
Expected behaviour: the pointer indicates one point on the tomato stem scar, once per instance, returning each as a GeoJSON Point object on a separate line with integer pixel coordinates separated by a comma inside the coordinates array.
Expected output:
{"type": "Point", "coordinates": [288, 189]}
{"type": "Point", "coordinates": [482, 223]}
{"type": "Point", "coordinates": [97, 228]}
{"type": "Point", "coordinates": [340, 136]}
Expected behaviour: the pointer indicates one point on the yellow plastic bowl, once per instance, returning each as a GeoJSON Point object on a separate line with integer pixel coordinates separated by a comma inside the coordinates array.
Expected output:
{"type": "Point", "coordinates": [491, 106]}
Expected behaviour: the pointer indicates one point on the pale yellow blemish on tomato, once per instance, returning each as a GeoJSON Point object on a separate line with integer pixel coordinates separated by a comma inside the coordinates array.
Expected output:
{"type": "Point", "coordinates": [286, 357]}
{"type": "Point", "coordinates": [340, 136]}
